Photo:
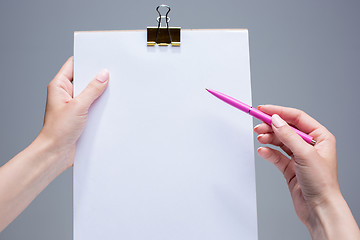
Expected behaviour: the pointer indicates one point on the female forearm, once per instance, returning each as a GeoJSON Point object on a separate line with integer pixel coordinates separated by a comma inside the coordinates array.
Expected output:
{"type": "Point", "coordinates": [333, 220]}
{"type": "Point", "coordinates": [27, 174]}
{"type": "Point", "coordinates": [310, 171]}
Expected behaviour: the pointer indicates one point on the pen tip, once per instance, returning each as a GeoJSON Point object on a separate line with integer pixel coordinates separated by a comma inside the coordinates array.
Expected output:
{"type": "Point", "coordinates": [207, 89]}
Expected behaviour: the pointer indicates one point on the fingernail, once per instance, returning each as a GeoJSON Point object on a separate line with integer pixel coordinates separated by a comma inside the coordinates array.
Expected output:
{"type": "Point", "coordinates": [103, 76]}
{"type": "Point", "coordinates": [259, 151]}
{"type": "Point", "coordinates": [258, 107]}
{"type": "Point", "coordinates": [260, 136]}
{"type": "Point", "coordinates": [277, 121]}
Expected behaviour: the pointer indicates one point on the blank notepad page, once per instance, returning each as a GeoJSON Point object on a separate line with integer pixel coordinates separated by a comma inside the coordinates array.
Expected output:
{"type": "Point", "coordinates": [160, 157]}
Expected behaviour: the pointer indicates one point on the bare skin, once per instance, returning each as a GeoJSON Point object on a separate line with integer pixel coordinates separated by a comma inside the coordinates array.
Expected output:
{"type": "Point", "coordinates": [52, 152]}
{"type": "Point", "coordinates": [310, 172]}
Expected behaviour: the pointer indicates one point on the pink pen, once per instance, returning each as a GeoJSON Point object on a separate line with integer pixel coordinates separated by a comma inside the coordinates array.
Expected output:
{"type": "Point", "coordinates": [255, 113]}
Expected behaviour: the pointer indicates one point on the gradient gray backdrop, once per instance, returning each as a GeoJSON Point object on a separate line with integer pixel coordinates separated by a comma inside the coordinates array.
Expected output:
{"type": "Point", "coordinates": [304, 54]}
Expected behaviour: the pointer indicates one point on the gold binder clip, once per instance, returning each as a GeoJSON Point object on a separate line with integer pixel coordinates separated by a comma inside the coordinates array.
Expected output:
{"type": "Point", "coordinates": [163, 36]}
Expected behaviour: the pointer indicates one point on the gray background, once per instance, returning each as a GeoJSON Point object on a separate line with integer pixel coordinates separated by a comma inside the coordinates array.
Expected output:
{"type": "Point", "coordinates": [304, 54]}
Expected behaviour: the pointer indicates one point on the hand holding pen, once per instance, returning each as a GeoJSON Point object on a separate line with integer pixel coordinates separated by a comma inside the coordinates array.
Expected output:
{"type": "Point", "coordinates": [310, 171]}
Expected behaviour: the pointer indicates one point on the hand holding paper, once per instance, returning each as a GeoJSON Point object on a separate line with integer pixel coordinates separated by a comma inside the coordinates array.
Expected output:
{"type": "Point", "coordinates": [65, 116]}
{"type": "Point", "coordinates": [29, 172]}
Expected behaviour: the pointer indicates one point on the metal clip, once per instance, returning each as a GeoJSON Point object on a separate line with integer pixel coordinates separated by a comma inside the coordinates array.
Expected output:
{"type": "Point", "coordinates": [163, 36]}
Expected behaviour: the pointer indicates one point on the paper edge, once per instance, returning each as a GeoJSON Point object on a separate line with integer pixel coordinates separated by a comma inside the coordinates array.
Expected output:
{"type": "Point", "coordinates": [144, 30]}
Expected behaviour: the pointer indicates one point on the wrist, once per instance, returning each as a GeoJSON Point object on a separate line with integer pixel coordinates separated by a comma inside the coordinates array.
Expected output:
{"type": "Point", "coordinates": [321, 214]}
{"type": "Point", "coordinates": [332, 219]}
{"type": "Point", "coordinates": [54, 155]}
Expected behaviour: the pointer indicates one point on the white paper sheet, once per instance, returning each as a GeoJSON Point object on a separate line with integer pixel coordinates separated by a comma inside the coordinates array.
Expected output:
{"type": "Point", "coordinates": [161, 158]}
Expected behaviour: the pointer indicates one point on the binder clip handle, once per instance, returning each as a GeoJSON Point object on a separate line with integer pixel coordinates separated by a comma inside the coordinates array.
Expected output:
{"type": "Point", "coordinates": [167, 19]}
{"type": "Point", "coordinates": [163, 35]}
{"type": "Point", "coordinates": [160, 17]}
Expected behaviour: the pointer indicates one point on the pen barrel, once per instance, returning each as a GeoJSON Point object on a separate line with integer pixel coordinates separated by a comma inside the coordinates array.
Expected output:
{"type": "Point", "coordinates": [255, 113]}
{"type": "Point", "coordinates": [304, 136]}
{"type": "Point", "coordinates": [260, 115]}
{"type": "Point", "coordinates": [267, 119]}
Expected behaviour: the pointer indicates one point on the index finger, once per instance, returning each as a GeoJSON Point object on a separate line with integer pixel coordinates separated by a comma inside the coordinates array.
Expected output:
{"type": "Point", "coordinates": [297, 118]}
{"type": "Point", "coordinates": [66, 71]}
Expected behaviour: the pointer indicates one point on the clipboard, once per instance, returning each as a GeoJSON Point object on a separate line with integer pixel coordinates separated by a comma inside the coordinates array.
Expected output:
{"type": "Point", "coordinates": [160, 158]}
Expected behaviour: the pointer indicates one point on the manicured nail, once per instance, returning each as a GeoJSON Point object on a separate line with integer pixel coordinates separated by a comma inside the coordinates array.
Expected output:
{"type": "Point", "coordinates": [258, 107]}
{"type": "Point", "coordinates": [259, 151]}
{"type": "Point", "coordinates": [103, 76]}
{"type": "Point", "coordinates": [260, 136]}
{"type": "Point", "coordinates": [277, 121]}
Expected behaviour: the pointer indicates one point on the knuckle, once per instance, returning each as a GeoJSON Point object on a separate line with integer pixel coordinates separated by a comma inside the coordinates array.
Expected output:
{"type": "Point", "coordinates": [298, 116]}
{"type": "Point", "coordinates": [301, 112]}
{"type": "Point", "coordinates": [95, 87]}
{"type": "Point", "coordinates": [287, 133]}
{"type": "Point", "coordinates": [332, 138]}
{"type": "Point", "coordinates": [268, 153]}
{"type": "Point", "coordinates": [308, 152]}
{"type": "Point", "coordinates": [326, 134]}
{"type": "Point", "coordinates": [276, 160]}
{"type": "Point", "coordinates": [51, 84]}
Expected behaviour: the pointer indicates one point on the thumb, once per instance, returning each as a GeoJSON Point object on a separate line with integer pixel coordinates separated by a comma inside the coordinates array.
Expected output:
{"type": "Point", "coordinates": [289, 137]}
{"type": "Point", "coordinates": [94, 89]}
